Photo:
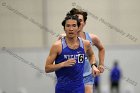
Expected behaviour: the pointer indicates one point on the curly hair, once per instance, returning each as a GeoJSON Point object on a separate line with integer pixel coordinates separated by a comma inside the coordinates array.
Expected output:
{"type": "Point", "coordinates": [75, 11]}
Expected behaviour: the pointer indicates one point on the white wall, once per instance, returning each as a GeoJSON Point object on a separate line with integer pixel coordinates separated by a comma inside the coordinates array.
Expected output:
{"type": "Point", "coordinates": [18, 74]}
{"type": "Point", "coordinates": [16, 26]}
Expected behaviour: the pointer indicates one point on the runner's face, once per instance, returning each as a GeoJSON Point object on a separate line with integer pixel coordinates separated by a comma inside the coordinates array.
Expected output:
{"type": "Point", "coordinates": [71, 28]}
{"type": "Point", "coordinates": [82, 23]}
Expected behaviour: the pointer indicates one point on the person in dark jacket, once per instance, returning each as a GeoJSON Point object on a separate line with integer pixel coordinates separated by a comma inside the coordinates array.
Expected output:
{"type": "Point", "coordinates": [115, 77]}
